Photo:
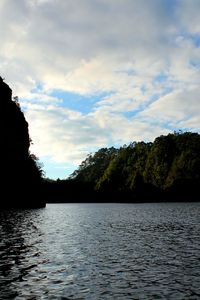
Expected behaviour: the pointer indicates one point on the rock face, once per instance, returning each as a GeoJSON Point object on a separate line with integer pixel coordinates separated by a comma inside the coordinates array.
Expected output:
{"type": "Point", "coordinates": [20, 177]}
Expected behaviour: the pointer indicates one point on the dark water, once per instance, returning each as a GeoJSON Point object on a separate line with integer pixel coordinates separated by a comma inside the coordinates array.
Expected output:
{"type": "Point", "coordinates": [101, 251]}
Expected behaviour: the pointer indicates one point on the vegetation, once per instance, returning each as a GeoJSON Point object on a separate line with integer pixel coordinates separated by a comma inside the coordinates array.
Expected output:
{"type": "Point", "coordinates": [20, 172]}
{"type": "Point", "coordinates": [166, 170]}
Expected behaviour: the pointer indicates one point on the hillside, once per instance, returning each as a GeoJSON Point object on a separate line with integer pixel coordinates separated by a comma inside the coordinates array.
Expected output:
{"type": "Point", "coordinates": [166, 170]}
{"type": "Point", "coordinates": [20, 176]}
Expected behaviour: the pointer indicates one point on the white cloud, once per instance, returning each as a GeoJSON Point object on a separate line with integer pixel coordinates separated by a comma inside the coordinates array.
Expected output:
{"type": "Point", "coordinates": [62, 134]}
{"type": "Point", "coordinates": [66, 135]}
{"type": "Point", "coordinates": [188, 13]}
{"type": "Point", "coordinates": [180, 107]}
{"type": "Point", "coordinates": [142, 56]}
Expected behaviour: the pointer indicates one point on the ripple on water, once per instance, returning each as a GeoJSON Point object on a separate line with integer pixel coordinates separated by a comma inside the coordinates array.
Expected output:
{"type": "Point", "coordinates": [101, 251]}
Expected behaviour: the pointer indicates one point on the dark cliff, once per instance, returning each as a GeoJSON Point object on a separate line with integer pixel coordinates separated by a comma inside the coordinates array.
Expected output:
{"type": "Point", "coordinates": [20, 176]}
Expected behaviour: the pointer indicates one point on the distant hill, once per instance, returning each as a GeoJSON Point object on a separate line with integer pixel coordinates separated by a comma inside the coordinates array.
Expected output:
{"type": "Point", "coordinates": [20, 175]}
{"type": "Point", "coordinates": [166, 170]}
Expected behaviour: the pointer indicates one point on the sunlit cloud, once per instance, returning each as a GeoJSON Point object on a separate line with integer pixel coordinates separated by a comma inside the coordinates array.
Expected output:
{"type": "Point", "coordinates": [133, 68]}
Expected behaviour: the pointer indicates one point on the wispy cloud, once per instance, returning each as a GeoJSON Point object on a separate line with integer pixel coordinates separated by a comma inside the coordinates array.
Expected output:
{"type": "Point", "coordinates": [138, 60]}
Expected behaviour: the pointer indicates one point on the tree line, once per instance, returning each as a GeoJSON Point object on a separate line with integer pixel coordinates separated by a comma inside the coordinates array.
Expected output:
{"type": "Point", "coordinates": [167, 169]}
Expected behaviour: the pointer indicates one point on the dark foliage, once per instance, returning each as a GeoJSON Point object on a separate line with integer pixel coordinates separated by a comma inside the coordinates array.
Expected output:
{"type": "Point", "coordinates": [20, 173]}
{"type": "Point", "coordinates": [166, 170]}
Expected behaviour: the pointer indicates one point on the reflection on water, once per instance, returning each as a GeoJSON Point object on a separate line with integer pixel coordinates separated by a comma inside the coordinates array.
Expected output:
{"type": "Point", "coordinates": [20, 234]}
{"type": "Point", "coordinates": [101, 251]}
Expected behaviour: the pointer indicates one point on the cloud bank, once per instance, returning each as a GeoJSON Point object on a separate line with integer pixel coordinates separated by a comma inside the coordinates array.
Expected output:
{"type": "Point", "coordinates": [138, 60]}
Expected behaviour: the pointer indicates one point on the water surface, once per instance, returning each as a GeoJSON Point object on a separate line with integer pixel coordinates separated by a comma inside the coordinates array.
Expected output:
{"type": "Point", "coordinates": [101, 251]}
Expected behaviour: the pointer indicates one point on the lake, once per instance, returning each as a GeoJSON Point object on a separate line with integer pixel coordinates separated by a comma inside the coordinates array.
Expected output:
{"type": "Point", "coordinates": [101, 251]}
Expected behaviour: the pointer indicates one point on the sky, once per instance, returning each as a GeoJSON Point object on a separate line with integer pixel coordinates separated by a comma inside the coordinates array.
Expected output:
{"type": "Point", "coordinates": [100, 73]}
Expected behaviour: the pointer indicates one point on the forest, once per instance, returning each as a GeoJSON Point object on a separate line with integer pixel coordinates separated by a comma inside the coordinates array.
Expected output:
{"type": "Point", "coordinates": [167, 169]}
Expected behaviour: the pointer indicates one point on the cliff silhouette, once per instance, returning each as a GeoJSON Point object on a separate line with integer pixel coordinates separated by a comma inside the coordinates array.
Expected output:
{"type": "Point", "coordinates": [166, 170]}
{"type": "Point", "coordinates": [20, 176]}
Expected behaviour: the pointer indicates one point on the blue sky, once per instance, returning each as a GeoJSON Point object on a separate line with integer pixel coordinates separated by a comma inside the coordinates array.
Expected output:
{"type": "Point", "coordinates": [97, 73]}
{"type": "Point", "coordinates": [74, 101]}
